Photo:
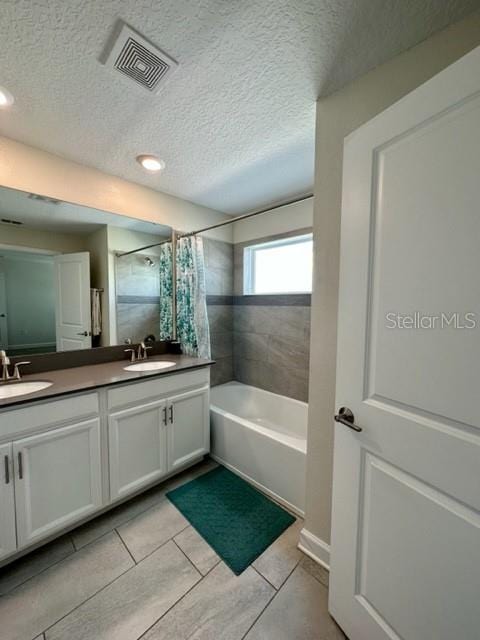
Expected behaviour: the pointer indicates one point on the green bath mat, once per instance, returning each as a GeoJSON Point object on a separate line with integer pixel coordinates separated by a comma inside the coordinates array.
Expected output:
{"type": "Point", "coordinates": [236, 520]}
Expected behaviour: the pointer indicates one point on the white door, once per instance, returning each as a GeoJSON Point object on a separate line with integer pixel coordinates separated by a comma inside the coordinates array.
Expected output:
{"type": "Point", "coordinates": [3, 313]}
{"type": "Point", "coordinates": [189, 430]}
{"type": "Point", "coordinates": [8, 540]}
{"type": "Point", "coordinates": [137, 446]}
{"type": "Point", "coordinates": [57, 479]}
{"type": "Point", "coordinates": [405, 559]}
{"type": "Point", "coordinates": [72, 301]}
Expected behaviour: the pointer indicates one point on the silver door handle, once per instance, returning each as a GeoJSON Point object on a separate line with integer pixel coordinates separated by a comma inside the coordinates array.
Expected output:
{"type": "Point", "coordinates": [7, 470]}
{"type": "Point", "coordinates": [83, 333]}
{"type": "Point", "coordinates": [346, 417]}
{"type": "Point", "coordinates": [20, 465]}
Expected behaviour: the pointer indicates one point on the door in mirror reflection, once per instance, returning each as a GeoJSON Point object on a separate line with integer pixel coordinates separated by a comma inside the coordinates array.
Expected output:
{"type": "Point", "coordinates": [72, 301]}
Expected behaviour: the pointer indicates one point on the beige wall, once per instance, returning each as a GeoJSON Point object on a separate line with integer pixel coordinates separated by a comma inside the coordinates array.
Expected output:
{"type": "Point", "coordinates": [291, 217]}
{"type": "Point", "coordinates": [32, 170]}
{"type": "Point", "coordinates": [337, 116]}
{"type": "Point", "coordinates": [43, 240]}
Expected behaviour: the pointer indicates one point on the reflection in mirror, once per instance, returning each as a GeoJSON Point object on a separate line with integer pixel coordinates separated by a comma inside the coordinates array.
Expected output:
{"type": "Point", "coordinates": [62, 286]}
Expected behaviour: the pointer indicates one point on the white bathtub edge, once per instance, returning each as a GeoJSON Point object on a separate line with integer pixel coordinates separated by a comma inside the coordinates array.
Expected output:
{"type": "Point", "coordinates": [260, 487]}
{"type": "Point", "coordinates": [315, 548]}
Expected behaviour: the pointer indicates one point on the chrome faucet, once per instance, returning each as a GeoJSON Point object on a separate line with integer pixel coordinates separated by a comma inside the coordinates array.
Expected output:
{"type": "Point", "coordinates": [142, 351]}
{"type": "Point", "coordinates": [132, 354]}
{"type": "Point", "coordinates": [5, 362]}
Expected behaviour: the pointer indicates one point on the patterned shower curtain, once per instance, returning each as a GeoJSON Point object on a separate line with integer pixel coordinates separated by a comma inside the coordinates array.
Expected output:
{"type": "Point", "coordinates": [192, 320]}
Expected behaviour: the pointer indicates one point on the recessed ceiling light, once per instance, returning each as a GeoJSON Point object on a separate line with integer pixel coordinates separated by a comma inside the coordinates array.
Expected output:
{"type": "Point", "coordinates": [151, 163]}
{"type": "Point", "coordinates": [6, 98]}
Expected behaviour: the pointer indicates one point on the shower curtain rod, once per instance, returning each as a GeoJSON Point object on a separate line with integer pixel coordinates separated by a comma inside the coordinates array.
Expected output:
{"type": "Point", "coordinates": [219, 224]}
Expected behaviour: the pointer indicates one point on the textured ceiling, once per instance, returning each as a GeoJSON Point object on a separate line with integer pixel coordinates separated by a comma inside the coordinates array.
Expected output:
{"type": "Point", "coordinates": [235, 123]}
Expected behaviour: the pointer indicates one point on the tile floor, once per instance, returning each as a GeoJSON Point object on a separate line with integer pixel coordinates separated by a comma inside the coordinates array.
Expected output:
{"type": "Point", "coordinates": [142, 572]}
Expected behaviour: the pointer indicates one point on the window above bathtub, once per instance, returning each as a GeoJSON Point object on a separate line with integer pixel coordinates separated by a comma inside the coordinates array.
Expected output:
{"type": "Point", "coordinates": [280, 266]}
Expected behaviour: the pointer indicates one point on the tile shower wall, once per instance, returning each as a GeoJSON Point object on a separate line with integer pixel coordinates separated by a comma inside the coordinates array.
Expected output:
{"type": "Point", "coordinates": [219, 282]}
{"type": "Point", "coordinates": [138, 297]}
{"type": "Point", "coordinates": [271, 336]}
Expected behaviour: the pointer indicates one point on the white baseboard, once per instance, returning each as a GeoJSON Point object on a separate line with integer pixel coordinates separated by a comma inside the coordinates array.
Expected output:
{"type": "Point", "coordinates": [315, 548]}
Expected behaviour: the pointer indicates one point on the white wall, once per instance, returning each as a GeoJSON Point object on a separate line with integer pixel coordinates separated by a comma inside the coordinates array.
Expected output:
{"type": "Point", "coordinates": [282, 220]}
{"type": "Point", "coordinates": [337, 116]}
{"type": "Point", "coordinates": [33, 170]}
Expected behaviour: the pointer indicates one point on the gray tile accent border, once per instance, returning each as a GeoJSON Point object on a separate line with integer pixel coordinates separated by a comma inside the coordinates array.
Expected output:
{"type": "Point", "coordinates": [275, 300]}
{"type": "Point", "coordinates": [270, 300]}
{"type": "Point", "coordinates": [138, 299]}
{"type": "Point", "coordinates": [218, 300]}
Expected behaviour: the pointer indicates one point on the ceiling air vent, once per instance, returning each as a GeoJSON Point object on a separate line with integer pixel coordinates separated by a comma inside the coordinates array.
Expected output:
{"type": "Point", "coordinates": [132, 55]}
{"type": "Point", "coordinates": [36, 196]}
{"type": "Point", "coordinates": [7, 221]}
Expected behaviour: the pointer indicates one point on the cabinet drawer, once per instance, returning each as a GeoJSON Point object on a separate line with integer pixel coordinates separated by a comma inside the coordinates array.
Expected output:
{"type": "Point", "coordinates": [157, 388]}
{"type": "Point", "coordinates": [15, 422]}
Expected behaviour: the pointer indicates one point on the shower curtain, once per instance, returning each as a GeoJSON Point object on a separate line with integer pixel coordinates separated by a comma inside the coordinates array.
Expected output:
{"type": "Point", "coordinates": [192, 320]}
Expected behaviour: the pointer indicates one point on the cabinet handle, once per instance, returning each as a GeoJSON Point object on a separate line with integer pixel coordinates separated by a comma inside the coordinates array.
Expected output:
{"type": "Point", "coordinates": [20, 465]}
{"type": "Point", "coordinates": [165, 416]}
{"type": "Point", "coordinates": [171, 414]}
{"type": "Point", "coordinates": [7, 470]}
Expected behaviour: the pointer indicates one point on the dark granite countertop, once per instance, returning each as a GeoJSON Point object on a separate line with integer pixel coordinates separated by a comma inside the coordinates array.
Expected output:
{"type": "Point", "coordinates": [90, 377]}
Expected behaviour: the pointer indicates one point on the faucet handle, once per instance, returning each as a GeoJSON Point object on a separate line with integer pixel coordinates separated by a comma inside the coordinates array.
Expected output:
{"type": "Point", "coordinates": [145, 349]}
{"type": "Point", "coordinates": [132, 354]}
{"type": "Point", "coordinates": [16, 370]}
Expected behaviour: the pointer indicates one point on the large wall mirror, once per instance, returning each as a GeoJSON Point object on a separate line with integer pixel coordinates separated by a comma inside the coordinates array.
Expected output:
{"type": "Point", "coordinates": [63, 285]}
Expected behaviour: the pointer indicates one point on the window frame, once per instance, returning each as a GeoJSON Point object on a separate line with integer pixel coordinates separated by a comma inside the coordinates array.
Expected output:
{"type": "Point", "coordinates": [249, 263]}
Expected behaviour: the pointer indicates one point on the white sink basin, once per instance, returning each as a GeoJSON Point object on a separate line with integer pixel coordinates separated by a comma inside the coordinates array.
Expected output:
{"type": "Point", "coordinates": [13, 389]}
{"type": "Point", "coordinates": [150, 366]}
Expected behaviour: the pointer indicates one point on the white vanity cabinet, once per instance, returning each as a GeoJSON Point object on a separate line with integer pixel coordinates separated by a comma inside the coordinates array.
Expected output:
{"type": "Point", "coordinates": [8, 541]}
{"type": "Point", "coordinates": [57, 479]}
{"type": "Point", "coordinates": [189, 427]}
{"type": "Point", "coordinates": [64, 460]}
{"type": "Point", "coordinates": [137, 447]}
{"type": "Point", "coordinates": [155, 428]}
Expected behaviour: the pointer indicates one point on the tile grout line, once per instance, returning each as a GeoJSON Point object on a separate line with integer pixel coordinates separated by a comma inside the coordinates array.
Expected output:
{"type": "Point", "coordinates": [183, 552]}
{"type": "Point", "coordinates": [161, 498]}
{"type": "Point", "coordinates": [202, 578]}
{"type": "Point", "coordinates": [136, 564]}
{"type": "Point", "coordinates": [270, 601]}
{"type": "Point", "coordinates": [89, 598]}
{"type": "Point", "coordinates": [258, 572]}
{"type": "Point", "coordinates": [20, 584]}
{"type": "Point", "coordinates": [125, 545]}
{"type": "Point", "coordinates": [143, 511]}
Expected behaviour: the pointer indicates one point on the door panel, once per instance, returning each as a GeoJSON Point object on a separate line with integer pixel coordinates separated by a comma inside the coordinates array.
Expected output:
{"type": "Point", "coordinates": [189, 433]}
{"type": "Point", "coordinates": [3, 311]}
{"type": "Point", "coordinates": [405, 553]}
{"type": "Point", "coordinates": [138, 447]}
{"type": "Point", "coordinates": [57, 479]}
{"type": "Point", "coordinates": [8, 540]}
{"type": "Point", "coordinates": [72, 301]}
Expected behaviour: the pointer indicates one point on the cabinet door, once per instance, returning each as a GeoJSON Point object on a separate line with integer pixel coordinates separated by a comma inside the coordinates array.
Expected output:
{"type": "Point", "coordinates": [137, 445]}
{"type": "Point", "coordinates": [57, 479]}
{"type": "Point", "coordinates": [189, 427]}
{"type": "Point", "coordinates": [8, 540]}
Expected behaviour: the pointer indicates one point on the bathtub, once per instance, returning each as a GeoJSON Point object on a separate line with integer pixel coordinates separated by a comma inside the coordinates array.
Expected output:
{"type": "Point", "coordinates": [263, 437]}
